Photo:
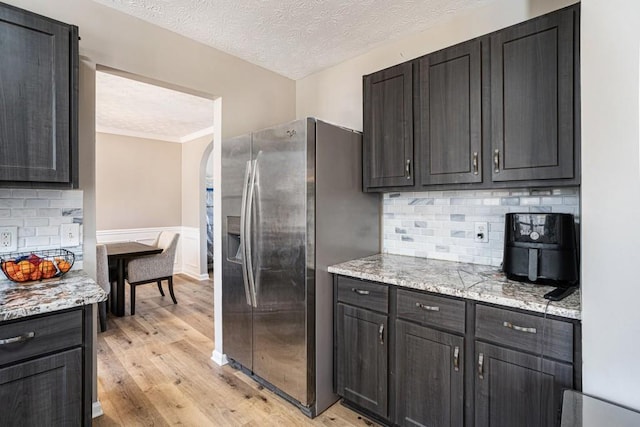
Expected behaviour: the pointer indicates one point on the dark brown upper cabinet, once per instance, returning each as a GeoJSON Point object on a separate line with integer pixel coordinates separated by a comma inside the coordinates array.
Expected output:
{"type": "Point", "coordinates": [450, 115]}
{"type": "Point", "coordinates": [532, 99]}
{"type": "Point", "coordinates": [388, 128]}
{"type": "Point", "coordinates": [498, 111]}
{"type": "Point", "coordinates": [38, 102]}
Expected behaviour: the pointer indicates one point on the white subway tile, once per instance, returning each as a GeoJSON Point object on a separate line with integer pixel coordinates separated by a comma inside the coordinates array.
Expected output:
{"type": "Point", "coordinates": [48, 231]}
{"type": "Point", "coordinates": [37, 241]}
{"type": "Point", "coordinates": [23, 212]}
{"type": "Point", "coordinates": [36, 203]}
{"type": "Point", "coordinates": [50, 194]}
{"type": "Point", "coordinates": [23, 193]}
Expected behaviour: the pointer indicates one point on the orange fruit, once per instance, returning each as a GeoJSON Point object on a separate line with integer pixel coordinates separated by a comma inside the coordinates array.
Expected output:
{"type": "Point", "coordinates": [26, 267]}
{"type": "Point", "coordinates": [47, 268]}
{"type": "Point", "coordinates": [63, 266]}
{"type": "Point", "coordinates": [36, 275]}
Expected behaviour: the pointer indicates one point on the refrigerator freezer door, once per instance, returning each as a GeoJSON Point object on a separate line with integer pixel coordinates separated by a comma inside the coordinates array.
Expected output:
{"type": "Point", "coordinates": [279, 257]}
{"type": "Point", "coordinates": [237, 314]}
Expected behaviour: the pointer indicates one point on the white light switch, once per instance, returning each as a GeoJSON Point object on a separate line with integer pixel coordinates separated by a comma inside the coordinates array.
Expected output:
{"type": "Point", "coordinates": [70, 234]}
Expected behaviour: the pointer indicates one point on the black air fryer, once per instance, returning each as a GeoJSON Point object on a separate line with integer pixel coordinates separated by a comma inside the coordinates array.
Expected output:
{"type": "Point", "coordinates": [541, 248]}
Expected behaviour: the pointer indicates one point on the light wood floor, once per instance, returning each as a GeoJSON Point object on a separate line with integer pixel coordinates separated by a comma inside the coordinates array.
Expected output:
{"type": "Point", "coordinates": [154, 369]}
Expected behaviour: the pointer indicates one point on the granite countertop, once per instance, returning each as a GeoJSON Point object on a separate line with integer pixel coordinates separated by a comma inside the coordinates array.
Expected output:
{"type": "Point", "coordinates": [74, 289]}
{"type": "Point", "coordinates": [475, 282]}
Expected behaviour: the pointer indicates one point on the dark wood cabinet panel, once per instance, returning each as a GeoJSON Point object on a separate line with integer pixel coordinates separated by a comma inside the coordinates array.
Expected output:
{"type": "Point", "coordinates": [38, 106]}
{"type": "Point", "coordinates": [361, 358]}
{"type": "Point", "coordinates": [532, 99]}
{"type": "Point", "coordinates": [450, 115]}
{"type": "Point", "coordinates": [518, 389]}
{"type": "Point", "coordinates": [45, 391]}
{"type": "Point", "coordinates": [388, 128]}
{"type": "Point", "coordinates": [526, 332]}
{"type": "Point", "coordinates": [429, 375]}
{"type": "Point", "coordinates": [362, 293]}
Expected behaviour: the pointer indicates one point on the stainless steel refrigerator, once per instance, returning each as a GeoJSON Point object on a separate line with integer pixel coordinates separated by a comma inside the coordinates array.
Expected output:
{"type": "Point", "coordinates": [292, 204]}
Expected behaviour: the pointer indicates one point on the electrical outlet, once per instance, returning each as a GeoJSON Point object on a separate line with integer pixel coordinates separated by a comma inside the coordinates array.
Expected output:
{"type": "Point", "coordinates": [8, 239]}
{"type": "Point", "coordinates": [481, 232]}
{"type": "Point", "coordinates": [70, 234]}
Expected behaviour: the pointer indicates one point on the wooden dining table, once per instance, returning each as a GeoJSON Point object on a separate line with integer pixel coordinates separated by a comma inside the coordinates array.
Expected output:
{"type": "Point", "coordinates": [119, 254]}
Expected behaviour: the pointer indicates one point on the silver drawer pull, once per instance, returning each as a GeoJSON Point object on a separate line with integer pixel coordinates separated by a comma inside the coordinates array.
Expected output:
{"type": "Point", "coordinates": [427, 307]}
{"type": "Point", "coordinates": [19, 338]}
{"type": "Point", "coordinates": [360, 291]}
{"type": "Point", "coordinates": [381, 333]}
{"type": "Point", "coordinates": [519, 328]}
{"type": "Point", "coordinates": [481, 366]}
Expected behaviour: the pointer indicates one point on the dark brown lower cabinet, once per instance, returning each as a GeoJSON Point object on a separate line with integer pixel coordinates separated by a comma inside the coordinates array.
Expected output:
{"type": "Point", "coordinates": [44, 391]}
{"type": "Point", "coordinates": [361, 358]}
{"type": "Point", "coordinates": [430, 377]}
{"type": "Point", "coordinates": [46, 369]}
{"type": "Point", "coordinates": [513, 388]}
{"type": "Point", "coordinates": [408, 357]}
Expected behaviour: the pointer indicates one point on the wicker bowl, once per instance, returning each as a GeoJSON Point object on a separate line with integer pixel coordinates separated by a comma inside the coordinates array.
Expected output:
{"type": "Point", "coordinates": [22, 267]}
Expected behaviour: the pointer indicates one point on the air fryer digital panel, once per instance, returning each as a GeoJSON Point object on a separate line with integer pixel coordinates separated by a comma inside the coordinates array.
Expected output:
{"type": "Point", "coordinates": [536, 228]}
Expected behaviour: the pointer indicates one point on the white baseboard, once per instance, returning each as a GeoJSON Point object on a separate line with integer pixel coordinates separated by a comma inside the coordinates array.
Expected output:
{"type": "Point", "coordinates": [188, 252]}
{"type": "Point", "coordinates": [219, 358]}
{"type": "Point", "coordinates": [96, 409]}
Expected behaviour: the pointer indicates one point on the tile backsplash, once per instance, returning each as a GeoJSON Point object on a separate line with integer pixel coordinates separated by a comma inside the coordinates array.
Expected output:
{"type": "Point", "coordinates": [440, 224]}
{"type": "Point", "coordinates": [38, 215]}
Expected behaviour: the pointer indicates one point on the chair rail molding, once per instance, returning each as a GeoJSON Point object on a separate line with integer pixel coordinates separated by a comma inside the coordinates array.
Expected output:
{"type": "Point", "coordinates": [188, 253]}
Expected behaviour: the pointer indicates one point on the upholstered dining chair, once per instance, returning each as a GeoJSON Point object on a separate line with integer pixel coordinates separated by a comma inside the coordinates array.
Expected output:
{"type": "Point", "coordinates": [154, 268]}
{"type": "Point", "coordinates": [102, 277]}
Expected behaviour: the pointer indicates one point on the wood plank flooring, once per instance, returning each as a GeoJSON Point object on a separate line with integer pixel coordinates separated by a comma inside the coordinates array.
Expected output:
{"type": "Point", "coordinates": [154, 369]}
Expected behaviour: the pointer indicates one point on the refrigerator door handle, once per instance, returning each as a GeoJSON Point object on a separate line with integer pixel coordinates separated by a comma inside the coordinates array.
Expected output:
{"type": "Point", "coordinates": [243, 231]}
{"type": "Point", "coordinates": [249, 231]}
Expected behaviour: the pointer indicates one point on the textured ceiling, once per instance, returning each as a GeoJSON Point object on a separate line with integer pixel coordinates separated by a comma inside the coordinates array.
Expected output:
{"type": "Point", "coordinates": [293, 37]}
{"type": "Point", "coordinates": [129, 107]}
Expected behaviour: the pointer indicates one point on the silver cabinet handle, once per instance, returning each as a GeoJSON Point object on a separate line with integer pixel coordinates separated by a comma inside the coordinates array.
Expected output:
{"type": "Point", "coordinates": [480, 366]}
{"type": "Point", "coordinates": [456, 358]}
{"type": "Point", "coordinates": [360, 291]}
{"type": "Point", "coordinates": [496, 161]}
{"type": "Point", "coordinates": [407, 169]}
{"type": "Point", "coordinates": [475, 163]}
{"type": "Point", "coordinates": [519, 328]}
{"type": "Point", "coordinates": [381, 333]}
{"type": "Point", "coordinates": [19, 338]}
{"type": "Point", "coordinates": [427, 307]}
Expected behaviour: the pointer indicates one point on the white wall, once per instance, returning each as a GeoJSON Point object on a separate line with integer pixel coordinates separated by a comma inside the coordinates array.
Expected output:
{"type": "Point", "coordinates": [138, 182]}
{"type": "Point", "coordinates": [335, 94]}
{"type": "Point", "coordinates": [611, 199]}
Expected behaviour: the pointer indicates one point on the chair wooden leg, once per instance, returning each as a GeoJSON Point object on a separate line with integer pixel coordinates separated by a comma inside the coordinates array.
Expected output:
{"type": "Point", "coordinates": [173, 297]}
{"type": "Point", "coordinates": [133, 299]}
{"type": "Point", "coordinates": [102, 315]}
{"type": "Point", "coordinates": [160, 287]}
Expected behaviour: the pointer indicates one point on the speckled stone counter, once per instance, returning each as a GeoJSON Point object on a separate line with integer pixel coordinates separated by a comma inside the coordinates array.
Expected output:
{"type": "Point", "coordinates": [475, 282]}
{"type": "Point", "coordinates": [74, 289]}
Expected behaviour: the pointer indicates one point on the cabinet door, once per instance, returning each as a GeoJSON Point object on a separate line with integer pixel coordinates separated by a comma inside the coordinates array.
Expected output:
{"type": "Point", "coordinates": [532, 99]}
{"type": "Point", "coordinates": [45, 391]}
{"type": "Point", "coordinates": [35, 106]}
{"type": "Point", "coordinates": [430, 381]}
{"type": "Point", "coordinates": [361, 365]}
{"type": "Point", "coordinates": [388, 128]}
{"type": "Point", "coordinates": [451, 116]}
{"type": "Point", "coordinates": [518, 389]}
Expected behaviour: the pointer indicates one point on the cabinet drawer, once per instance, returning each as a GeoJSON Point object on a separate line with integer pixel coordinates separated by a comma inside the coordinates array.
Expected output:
{"type": "Point", "coordinates": [32, 337]}
{"type": "Point", "coordinates": [432, 310]}
{"type": "Point", "coordinates": [364, 294]}
{"type": "Point", "coordinates": [548, 337]}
